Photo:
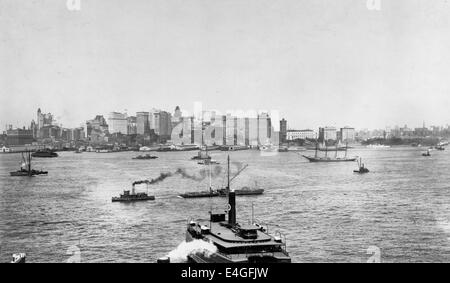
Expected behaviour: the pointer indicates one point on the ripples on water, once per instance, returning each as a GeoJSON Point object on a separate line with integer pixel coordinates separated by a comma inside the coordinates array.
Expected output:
{"type": "Point", "coordinates": [327, 213]}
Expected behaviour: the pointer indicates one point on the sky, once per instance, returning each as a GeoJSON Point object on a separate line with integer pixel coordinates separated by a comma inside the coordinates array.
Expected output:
{"type": "Point", "coordinates": [318, 62]}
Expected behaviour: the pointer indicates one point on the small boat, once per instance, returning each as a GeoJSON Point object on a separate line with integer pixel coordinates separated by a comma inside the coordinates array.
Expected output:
{"type": "Point", "coordinates": [426, 153]}
{"type": "Point", "coordinates": [25, 168]}
{"type": "Point", "coordinates": [147, 156]}
{"type": "Point", "coordinates": [78, 151]}
{"type": "Point", "coordinates": [208, 162]}
{"type": "Point", "coordinates": [132, 196]}
{"type": "Point", "coordinates": [362, 169]}
{"type": "Point", "coordinates": [44, 153]}
{"type": "Point", "coordinates": [19, 258]}
{"type": "Point", "coordinates": [440, 147]}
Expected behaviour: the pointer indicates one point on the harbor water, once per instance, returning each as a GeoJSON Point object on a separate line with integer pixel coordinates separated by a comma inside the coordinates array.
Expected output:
{"type": "Point", "coordinates": [399, 212]}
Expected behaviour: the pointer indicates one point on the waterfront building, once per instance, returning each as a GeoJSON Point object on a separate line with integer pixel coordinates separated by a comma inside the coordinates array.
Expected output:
{"type": "Point", "coordinates": [327, 133]}
{"type": "Point", "coordinates": [300, 135]}
{"type": "Point", "coordinates": [142, 123]}
{"type": "Point", "coordinates": [131, 125]}
{"type": "Point", "coordinates": [118, 123]}
{"type": "Point", "coordinates": [283, 131]}
{"type": "Point", "coordinates": [19, 136]}
{"type": "Point", "coordinates": [347, 134]}
{"type": "Point", "coordinates": [264, 129]}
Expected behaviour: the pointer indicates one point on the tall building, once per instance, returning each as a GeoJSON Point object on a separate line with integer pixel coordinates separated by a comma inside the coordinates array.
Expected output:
{"type": "Point", "coordinates": [131, 125]}
{"type": "Point", "coordinates": [19, 136]}
{"type": "Point", "coordinates": [177, 117]}
{"type": "Point", "coordinates": [43, 120]}
{"type": "Point", "coordinates": [161, 123]}
{"type": "Point", "coordinates": [117, 123]}
{"type": "Point", "coordinates": [327, 133]}
{"type": "Point", "coordinates": [283, 131]}
{"type": "Point", "coordinates": [142, 123]}
{"type": "Point", "coordinates": [97, 129]}
{"type": "Point", "coordinates": [347, 134]}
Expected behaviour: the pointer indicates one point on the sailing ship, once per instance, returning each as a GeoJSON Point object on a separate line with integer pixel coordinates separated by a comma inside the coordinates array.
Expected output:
{"type": "Point", "coordinates": [235, 242]}
{"type": "Point", "coordinates": [25, 167]}
{"type": "Point", "coordinates": [327, 158]}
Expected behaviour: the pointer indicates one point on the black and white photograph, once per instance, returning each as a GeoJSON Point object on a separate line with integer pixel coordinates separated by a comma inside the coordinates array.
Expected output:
{"type": "Point", "coordinates": [224, 132]}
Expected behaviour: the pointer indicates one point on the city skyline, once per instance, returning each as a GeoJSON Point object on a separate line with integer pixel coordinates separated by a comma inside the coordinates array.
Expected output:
{"type": "Point", "coordinates": [318, 63]}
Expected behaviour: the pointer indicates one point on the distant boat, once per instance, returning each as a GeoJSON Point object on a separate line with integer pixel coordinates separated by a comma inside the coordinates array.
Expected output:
{"type": "Point", "coordinates": [147, 156]}
{"type": "Point", "coordinates": [326, 158]}
{"type": "Point", "coordinates": [132, 196]}
{"type": "Point", "coordinates": [378, 146]}
{"type": "Point", "coordinates": [362, 169]}
{"type": "Point", "coordinates": [208, 162]}
{"type": "Point", "coordinates": [25, 168]}
{"type": "Point", "coordinates": [440, 147]}
{"type": "Point", "coordinates": [44, 153]}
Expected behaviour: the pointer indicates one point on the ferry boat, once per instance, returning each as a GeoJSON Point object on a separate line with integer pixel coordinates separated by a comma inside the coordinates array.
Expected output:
{"type": "Point", "coordinates": [25, 168]}
{"type": "Point", "coordinates": [132, 196]}
{"type": "Point", "coordinates": [235, 242]}
{"type": "Point", "coordinates": [147, 156]}
{"type": "Point", "coordinates": [44, 153]}
{"type": "Point", "coordinates": [326, 158]}
{"type": "Point", "coordinates": [426, 153]}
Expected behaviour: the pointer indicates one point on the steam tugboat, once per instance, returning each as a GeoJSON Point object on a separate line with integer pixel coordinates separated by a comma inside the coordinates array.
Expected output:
{"type": "Point", "coordinates": [25, 168]}
{"type": "Point", "coordinates": [426, 153]}
{"type": "Point", "coordinates": [362, 169]}
{"type": "Point", "coordinates": [133, 196]}
{"type": "Point", "coordinates": [44, 153]}
{"type": "Point", "coordinates": [236, 243]}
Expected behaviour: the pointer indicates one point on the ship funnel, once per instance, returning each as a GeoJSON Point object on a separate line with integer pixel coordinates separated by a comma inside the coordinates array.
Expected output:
{"type": "Point", "coordinates": [232, 212]}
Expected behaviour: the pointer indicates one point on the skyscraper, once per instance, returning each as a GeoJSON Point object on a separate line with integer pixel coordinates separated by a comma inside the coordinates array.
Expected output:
{"type": "Point", "coordinates": [117, 123]}
{"type": "Point", "coordinates": [142, 123]}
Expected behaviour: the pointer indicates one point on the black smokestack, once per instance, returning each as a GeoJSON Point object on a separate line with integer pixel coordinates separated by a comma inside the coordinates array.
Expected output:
{"type": "Point", "coordinates": [232, 212]}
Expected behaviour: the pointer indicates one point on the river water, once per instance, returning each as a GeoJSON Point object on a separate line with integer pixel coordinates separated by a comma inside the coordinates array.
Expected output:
{"type": "Point", "coordinates": [399, 212]}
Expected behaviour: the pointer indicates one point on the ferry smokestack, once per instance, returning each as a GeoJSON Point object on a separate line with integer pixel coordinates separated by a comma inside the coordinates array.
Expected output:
{"type": "Point", "coordinates": [232, 212]}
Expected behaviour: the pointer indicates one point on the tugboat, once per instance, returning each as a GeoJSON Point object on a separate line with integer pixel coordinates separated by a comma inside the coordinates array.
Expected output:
{"type": "Point", "coordinates": [362, 169]}
{"type": "Point", "coordinates": [316, 158]}
{"type": "Point", "coordinates": [133, 196]}
{"type": "Point", "coordinates": [25, 168]}
{"type": "Point", "coordinates": [236, 243]}
{"type": "Point", "coordinates": [44, 153]}
{"type": "Point", "coordinates": [147, 156]}
{"type": "Point", "coordinates": [426, 153]}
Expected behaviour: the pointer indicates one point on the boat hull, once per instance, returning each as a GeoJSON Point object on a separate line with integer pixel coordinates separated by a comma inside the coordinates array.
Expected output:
{"type": "Point", "coordinates": [319, 159]}
{"type": "Point", "coordinates": [132, 199]}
